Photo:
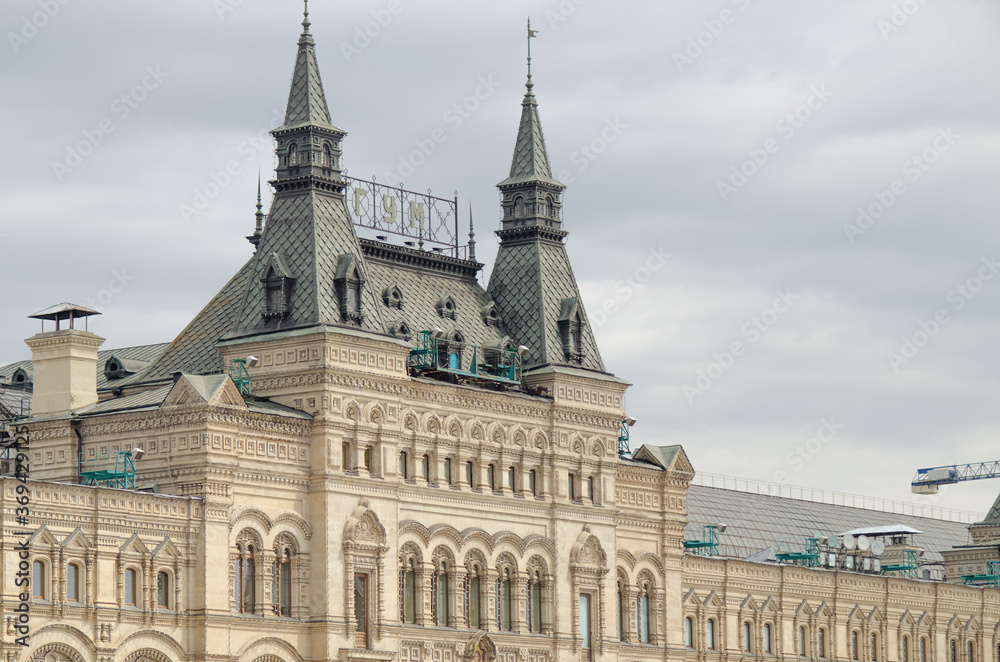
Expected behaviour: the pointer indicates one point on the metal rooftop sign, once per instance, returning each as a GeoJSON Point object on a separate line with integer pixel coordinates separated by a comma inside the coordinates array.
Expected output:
{"type": "Point", "coordinates": [419, 216]}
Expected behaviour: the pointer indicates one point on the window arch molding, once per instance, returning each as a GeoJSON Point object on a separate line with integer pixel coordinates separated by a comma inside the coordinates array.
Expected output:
{"type": "Point", "coordinates": [364, 555]}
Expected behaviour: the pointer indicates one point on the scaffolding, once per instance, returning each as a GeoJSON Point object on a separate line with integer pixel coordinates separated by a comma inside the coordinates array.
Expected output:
{"type": "Point", "coordinates": [241, 376]}
{"type": "Point", "coordinates": [708, 545]}
{"type": "Point", "coordinates": [903, 564]}
{"type": "Point", "coordinates": [117, 472]}
{"type": "Point", "coordinates": [809, 558]}
{"type": "Point", "coordinates": [990, 578]}
{"type": "Point", "coordinates": [498, 364]}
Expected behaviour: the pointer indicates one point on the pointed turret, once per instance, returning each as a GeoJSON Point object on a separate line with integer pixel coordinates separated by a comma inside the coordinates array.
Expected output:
{"type": "Point", "coordinates": [532, 282]}
{"type": "Point", "coordinates": [309, 269]}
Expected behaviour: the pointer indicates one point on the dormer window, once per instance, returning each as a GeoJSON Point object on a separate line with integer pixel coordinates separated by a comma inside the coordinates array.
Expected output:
{"type": "Point", "coordinates": [400, 329]}
{"type": "Point", "coordinates": [21, 377]}
{"type": "Point", "coordinates": [571, 330]}
{"type": "Point", "coordinates": [446, 307]}
{"type": "Point", "coordinates": [393, 297]}
{"type": "Point", "coordinates": [277, 283]}
{"type": "Point", "coordinates": [491, 316]}
{"type": "Point", "coordinates": [450, 351]}
{"type": "Point", "coordinates": [349, 282]}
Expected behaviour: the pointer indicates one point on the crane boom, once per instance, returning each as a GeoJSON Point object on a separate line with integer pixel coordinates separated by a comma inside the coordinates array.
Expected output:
{"type": "Point", "coordinates": [927, 481]}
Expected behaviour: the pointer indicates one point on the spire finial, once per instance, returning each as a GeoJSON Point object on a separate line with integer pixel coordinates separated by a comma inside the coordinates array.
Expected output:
{"type": "Point", "coordinates": [531, 35]}
{"type": "Point", "coordinates": [259, 228]}
{"type": "Point", "coordinates": [305, 17]}
{"type": "Point", "coordinates": [472, 236]}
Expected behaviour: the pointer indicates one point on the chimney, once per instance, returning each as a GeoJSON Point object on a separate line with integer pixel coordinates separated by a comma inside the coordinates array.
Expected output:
{"type": "Point", "coordinates": [64, 361]}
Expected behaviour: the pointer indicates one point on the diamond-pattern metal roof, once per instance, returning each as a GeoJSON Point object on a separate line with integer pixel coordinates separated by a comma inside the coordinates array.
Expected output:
{"type": "Point", "coordinates": [531, 160]}
{"type": "Point", "coordinates": [309, 231]}
{"type": "Point", "coordinates": [529, 282]}
{"type": "Point", "coordinates": [306, 99]}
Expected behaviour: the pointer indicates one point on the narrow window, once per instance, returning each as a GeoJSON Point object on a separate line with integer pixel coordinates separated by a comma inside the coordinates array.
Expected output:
{"type": "Point", "coordinates": [345, 450]}
{"type": "Point", "coordinates": [285, 585]}
{"type": "Point", "coordinates": [710, 634]}
{"type": "Point", "coordinates": [402, 465]}
{"type": "Point", "coordinates": [130, 587]}
{"type": "Point", "coordinates": [531, 483]}
{"type": "Point", "coordinates": [854, 646]}
{"type": "Point", "coordinates": [747, 637]}
{"type": "Point", "coordinates": [585, 620]}
{"type": "Point", "coordinates": [802, 641]}
{"type": "Point", "coordinates": [447, 470]}
{"type": "Point", "coordinates": [361, 610]}
{"type": "Point", "coordinates": [874, 647]}
{"type": "Point", "coordinates": [767, 639]}
{"type": "Point", "coordinates": [249, 582]}
{"type": "Point", "coordinates": [689, 632]}
{"type": "Point", "coordinates": [572, 487]}
{"type": "Point", "coordinates": [410, 593]}
{"type": "Point", "coordinates": [821, 642]}
{"type": "Point", "coordinates": [368, 459]}
{"type": "Point", "coordinates": [535, 604]}
{"type": "Point", "coordinates": [491, 478]}
{"type": "Point", "coordinates": [511, 478]}
{"type": "Point", "coordinates": [474, 620]}
{"type": "Point", "coordinates": [590, 487]}
{"type": "Point", "coordinates": [923, 650]}
{"type": "Point", "coordinates": [619, 606]}
{"type": "Point", "coordinates": [238, 584]}
{"type": "Point", "coordinates": [905, 652]}
{"type": "Point", "coordinates": [425, 467]}
{"type": "Point", "coordinates": [505, 602]}
{"type": "Point", "coordinates": [163, 590]}
{"type": "Point", "coordinates": [73, 583]}
{"type": "Point", "coordinates": [642, 607]}
{"type": "Point", "coordinates": [972, 653]}
{"type": "Point", "coordinates": [468, 473]}
{"type": "Point", "coordinates": [38, 580]}
{"type": "Point", "coordinates": [953, 650]}
{"type": "Point", "coordinates": [442, 596]}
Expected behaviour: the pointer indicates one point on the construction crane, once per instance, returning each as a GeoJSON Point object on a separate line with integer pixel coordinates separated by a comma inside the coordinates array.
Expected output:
{"type": "Point", "coordinates": [927, 481]}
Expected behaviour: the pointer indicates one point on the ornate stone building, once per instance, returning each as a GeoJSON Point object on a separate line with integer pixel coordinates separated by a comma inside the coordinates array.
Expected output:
{"type": "Point", "coordinates": [409, 467]}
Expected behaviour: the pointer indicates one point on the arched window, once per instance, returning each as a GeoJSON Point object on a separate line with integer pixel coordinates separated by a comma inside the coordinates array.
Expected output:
{"type": "Point", "coordinates": [503, 600]}
{"type": "Point", "coordinates": [689, 632]}
{"type": "Point", "coordinates": [440, 601]}
{"type": "Point", "coordinates": [971, 657]}
{"type": "Point", "coordinates": [73, 583]}
{"type": "Point", "coordinates": [491, 477]}
{"type": "Point", "coordinates": [327, 156]}
{"type": "Point", "coordinates": [923, 650]}
{"type": "Point", "coordinates": [710, 634]}
{"type": "Point", "coordinates": [531, 483]}
{"type": "Point", "coordinates": [425, 467]}
{"type": "Point", "coordinates": [904, 652]}
{"type": "Point", "coordinates": [281, 592]}
{"type": "Point", "coordinates": [619, 608]}
{"type": "Point", "coordinates": [801, 643]}
{"type": "Point", "coordinates": [447, 471]}
{"type": "Point", "coordinates": [821, 642]}
{"type": "Point", "coordinates": [642, 614]}
{"type": "Point", "coordinates": [38, 580]}
{"type": "Point", "coordinates": [162, 590]}
{"type": "Point", "coordinates": [293, 154]}
{"type": "Point", "coordinates": [855, 645]}
{"type": "Point", "coordinates": [469, 473]}
{"type": "Point", "coordinates": [535, 602]}
{"type": "Point", "coordinates": [519, 207]}
{"type": "Point", "coordinates": [130, 587]}
{"type": "Point", "coordinates": [473, 599]}
{"type": "Point", "coordinates": [953, 651]}
{"type": "Point", "coordinates": [874, 647]}
{"type": "Point", "coordinates": [410, 592]}
{"type": "Point", "coordinates": [512, 479]}
{"type": "Point", "coordinates": [747, 637]}
{"type": "Point", "coordinates": [768, 643]}
{"type": "Point", "coordinates": [402, 465]}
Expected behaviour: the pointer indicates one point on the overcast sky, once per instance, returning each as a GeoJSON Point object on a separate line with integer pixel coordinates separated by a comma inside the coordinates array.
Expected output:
{"type": "Point", "coordinates": [717, 154]}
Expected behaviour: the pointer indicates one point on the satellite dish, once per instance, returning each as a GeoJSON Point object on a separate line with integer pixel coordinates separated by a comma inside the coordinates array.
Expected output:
{"type": "Point", "coordinates": [849, 562]}
{"type": "Point", "coordinates": [848, 541]}
{"type": "Point", "coordinates": [863, 543]}
{"type": "Point", "coordinates": [831, 560]}
{"type": "Point", "coordinates": [868, 564]}
{"type": "Point", "coordinates": [877, 565]}
{"type": "Point", "coordinates": [878, 547]}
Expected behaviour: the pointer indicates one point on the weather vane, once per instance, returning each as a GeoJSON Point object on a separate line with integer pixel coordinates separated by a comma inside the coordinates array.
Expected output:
{"type": "Point", "coordinates": [531, 35]}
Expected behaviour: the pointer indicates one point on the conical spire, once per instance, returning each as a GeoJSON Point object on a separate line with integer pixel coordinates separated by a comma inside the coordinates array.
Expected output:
{"type": "Point", "coordinates": [531, 160]}
{"type": "Point", "coordinates": [306, 100]}
{"type": "Point", "coordinates": [472, 236]}
{"type": "Point", "coordinates": [259, 227]}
